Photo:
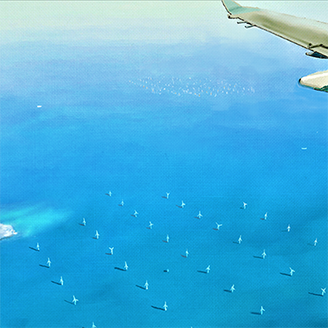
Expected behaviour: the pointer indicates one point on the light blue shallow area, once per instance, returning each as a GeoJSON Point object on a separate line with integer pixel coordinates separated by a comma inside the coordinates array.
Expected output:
{"type": "Point", "coordinates": [97, 132]}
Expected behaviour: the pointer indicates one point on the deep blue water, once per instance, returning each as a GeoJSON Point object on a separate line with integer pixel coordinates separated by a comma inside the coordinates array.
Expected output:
{"type": "Point", "coordinates": [96, 131]}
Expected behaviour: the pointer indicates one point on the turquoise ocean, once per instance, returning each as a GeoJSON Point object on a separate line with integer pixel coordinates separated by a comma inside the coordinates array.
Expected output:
{"type": "Point", "coordinates": [200, 121]}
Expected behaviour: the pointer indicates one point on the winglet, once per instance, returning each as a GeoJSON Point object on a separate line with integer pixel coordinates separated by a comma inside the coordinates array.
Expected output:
{"type": "Point", "coordinates": [230, 6]}
{"type": "Point", "coordinates": [233, 8]}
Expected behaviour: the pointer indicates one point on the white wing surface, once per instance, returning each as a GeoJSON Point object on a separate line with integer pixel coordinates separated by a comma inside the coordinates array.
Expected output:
{"type": "Point", "coordinates": [307, 33]}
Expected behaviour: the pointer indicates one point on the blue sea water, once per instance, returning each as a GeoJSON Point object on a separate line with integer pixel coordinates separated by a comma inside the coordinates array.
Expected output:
{"type": "Point", "coordinates": [96, 131]}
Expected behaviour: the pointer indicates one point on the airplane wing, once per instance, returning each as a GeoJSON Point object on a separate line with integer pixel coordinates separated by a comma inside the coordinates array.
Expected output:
{"type": "Point", "coordinates": [310, 34]}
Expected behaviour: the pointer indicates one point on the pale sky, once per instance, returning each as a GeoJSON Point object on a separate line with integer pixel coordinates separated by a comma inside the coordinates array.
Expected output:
{"type": "Point", "coordinates": [167, 21]}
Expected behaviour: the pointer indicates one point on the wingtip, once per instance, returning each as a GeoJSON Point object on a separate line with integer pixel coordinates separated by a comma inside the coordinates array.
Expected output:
{"type": "Point", "coordinates": [234, 9]}
{"type": "Point", "coordinates": [229, 5]}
